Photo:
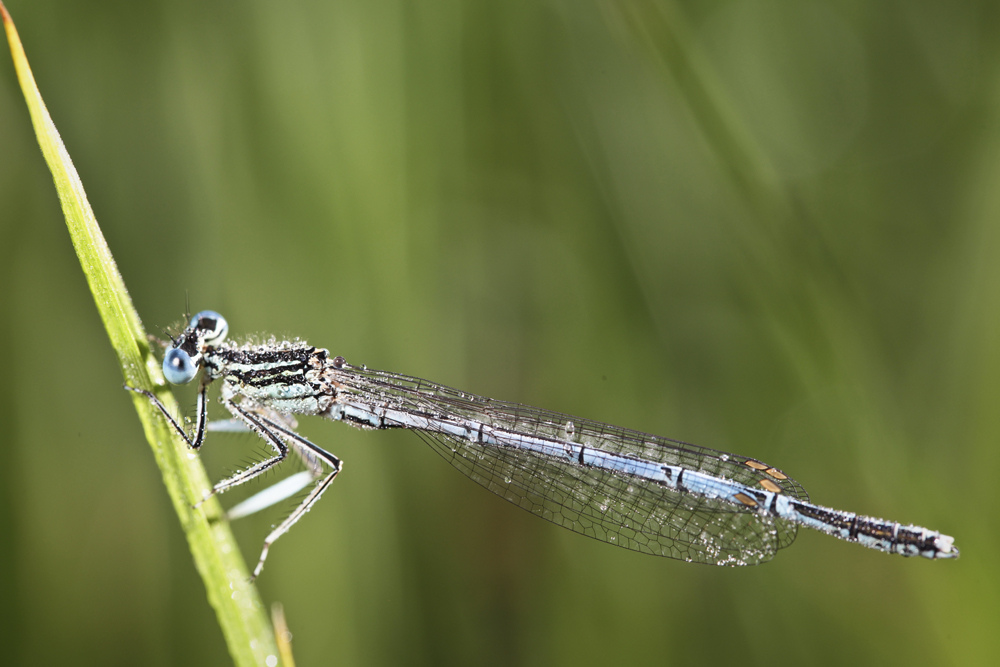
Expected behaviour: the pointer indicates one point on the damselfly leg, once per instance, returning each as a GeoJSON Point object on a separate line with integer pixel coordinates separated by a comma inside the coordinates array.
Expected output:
{"type": "Point", "coordinates": [280, 438]}
{"type": "Point", "coordinates": [635, 490]}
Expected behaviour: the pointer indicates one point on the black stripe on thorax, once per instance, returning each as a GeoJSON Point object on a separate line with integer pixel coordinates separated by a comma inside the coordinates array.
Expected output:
{"type": "Point", "coordinates": [262, 367]}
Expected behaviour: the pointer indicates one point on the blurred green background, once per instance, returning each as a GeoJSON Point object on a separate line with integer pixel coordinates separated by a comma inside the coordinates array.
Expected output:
{"type": "Point", "coordinates": [769, 227]}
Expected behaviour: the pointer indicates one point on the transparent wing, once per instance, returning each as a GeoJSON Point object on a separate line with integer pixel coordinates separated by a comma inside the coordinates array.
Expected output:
{"type": "Point", "coordinates": [626, 510]}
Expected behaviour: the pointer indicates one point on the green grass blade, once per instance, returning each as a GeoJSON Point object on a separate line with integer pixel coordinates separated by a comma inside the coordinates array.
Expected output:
{"type": "Point", "coordinates": [237, 605]}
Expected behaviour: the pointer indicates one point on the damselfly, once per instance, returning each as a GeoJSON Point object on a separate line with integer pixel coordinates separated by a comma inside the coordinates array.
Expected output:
{"type": "Point", "coordinates": [635, 490]}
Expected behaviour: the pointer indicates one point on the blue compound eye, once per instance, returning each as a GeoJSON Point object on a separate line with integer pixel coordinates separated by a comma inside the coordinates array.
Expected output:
{"type": "Point", "coordinates": [178, 367]}
{"type": "Point", "coordinates": [211, 326]}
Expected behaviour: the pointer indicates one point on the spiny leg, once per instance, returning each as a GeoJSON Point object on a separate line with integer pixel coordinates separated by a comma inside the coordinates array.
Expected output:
{"type": "Point", "coordinates": [283, 527]}
{"type": "Point", "coordinates": [312, 455]}
{"type": "Point", "coordinates": [194, 442]}
{"type": "Point", "coordinates": [273, 433]}
{"type": "Point", "coordinates": [263, 427]}
{"type": "Point", "coordinates": [289, 486]}
{"type": "Point", "coordinates": [239, 426]}
{"type": "Point", "coordinates": [277, 434]}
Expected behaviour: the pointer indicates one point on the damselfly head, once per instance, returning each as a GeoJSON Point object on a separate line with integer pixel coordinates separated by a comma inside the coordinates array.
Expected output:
{"type": "Point", "coordinates": [182, 361]}
{"type": "Point", "coordinates": [179, 367]}
{"type": "Point", "coordinates": [210, 327]}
